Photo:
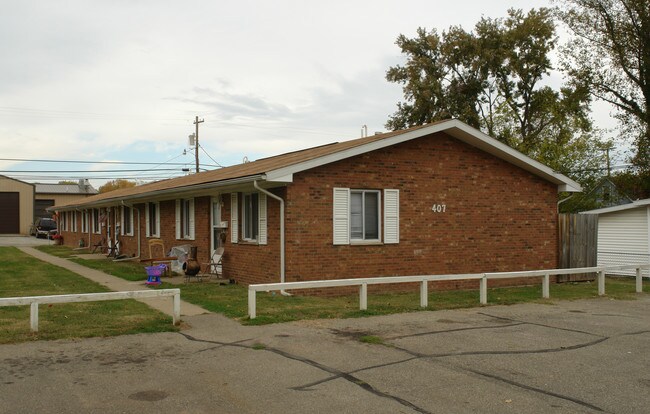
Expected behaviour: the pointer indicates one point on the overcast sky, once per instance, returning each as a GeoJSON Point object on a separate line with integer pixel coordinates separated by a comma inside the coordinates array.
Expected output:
{"type": "Point", "coordinates": [124, 79]}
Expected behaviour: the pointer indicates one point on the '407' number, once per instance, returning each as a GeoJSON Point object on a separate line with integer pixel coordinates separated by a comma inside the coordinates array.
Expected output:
{"type": "Point", "coordinates": [439, 208]}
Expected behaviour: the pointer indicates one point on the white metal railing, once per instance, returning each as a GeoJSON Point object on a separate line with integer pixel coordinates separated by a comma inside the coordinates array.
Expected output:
{"type": "Point", "coordinates": [34, 301]}
{"type": "Point", "coordinates": [424, 279]}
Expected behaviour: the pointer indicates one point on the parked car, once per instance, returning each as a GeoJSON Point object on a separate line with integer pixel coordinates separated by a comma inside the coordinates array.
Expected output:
{"type": "Point", "coordinates": [44, 227]}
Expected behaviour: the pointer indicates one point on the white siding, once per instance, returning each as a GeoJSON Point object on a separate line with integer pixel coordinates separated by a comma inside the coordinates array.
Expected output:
{"type": "Point", "coordinates": [623, 238]}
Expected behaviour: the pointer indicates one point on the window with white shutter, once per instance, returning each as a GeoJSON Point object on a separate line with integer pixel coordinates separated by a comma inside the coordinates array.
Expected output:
{"type": "Point", "coordinates": [357, 216]}
{"type": "Point", "coordinates": [185, 219]}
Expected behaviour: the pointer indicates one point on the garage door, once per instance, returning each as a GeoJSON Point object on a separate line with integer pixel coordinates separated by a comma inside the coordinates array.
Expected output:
{"type": "Point", "coordinates": [9, 213]}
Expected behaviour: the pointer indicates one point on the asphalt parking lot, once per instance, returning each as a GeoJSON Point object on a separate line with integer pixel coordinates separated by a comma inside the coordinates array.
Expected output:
{"type": "Point", "coordinates": [571, 357]}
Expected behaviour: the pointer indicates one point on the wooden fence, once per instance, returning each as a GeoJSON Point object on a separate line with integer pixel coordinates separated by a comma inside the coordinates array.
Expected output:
{"type": "Point", "coordinates": [578, 243]}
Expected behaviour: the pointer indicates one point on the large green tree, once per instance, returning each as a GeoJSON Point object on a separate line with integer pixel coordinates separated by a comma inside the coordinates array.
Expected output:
{"type": "Point", "coordinates": [610, 52]}
{"type": "Point", "coordinates": [495, 78]}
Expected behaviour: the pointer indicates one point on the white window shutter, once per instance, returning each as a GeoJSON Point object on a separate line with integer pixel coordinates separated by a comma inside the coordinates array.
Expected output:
{"type": "Point", "coordinates": [262, 236]}
{"type": "Point", "coordinates": [157, 219]}
{"type": "Point", "coordinates": [178, 219]}
{"type": "Point", "coordinates": [234, 218]}
{"type": "Point", "coordinates": [147, 220]}
{"type": "Point", "coordinates": [192, 219]}
{"type": "Point", "coordinates": [391, 216]}
{"type": "Point", "coordinates": [341, 216]}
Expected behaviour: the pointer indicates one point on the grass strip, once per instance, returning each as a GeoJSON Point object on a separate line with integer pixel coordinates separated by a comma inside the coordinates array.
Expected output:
{"type": "Point", "coordinates": [24, 275]}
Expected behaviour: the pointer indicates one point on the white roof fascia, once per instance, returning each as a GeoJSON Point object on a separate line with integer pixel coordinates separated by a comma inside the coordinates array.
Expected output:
{"type": "Point", "coordinates": [629, 206]}
{"type": "Point", "coordinates": [454, 128]}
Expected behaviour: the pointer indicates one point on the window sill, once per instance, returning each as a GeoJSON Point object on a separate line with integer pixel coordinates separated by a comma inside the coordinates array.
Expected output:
{"type": "Point", "coordinates": [249, 242]}
{"type": "Point", "coordinates": [366, 243]}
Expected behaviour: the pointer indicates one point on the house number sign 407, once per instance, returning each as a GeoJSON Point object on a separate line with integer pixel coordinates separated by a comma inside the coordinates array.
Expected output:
{"type": "Point", "coordinates": [439, 208]}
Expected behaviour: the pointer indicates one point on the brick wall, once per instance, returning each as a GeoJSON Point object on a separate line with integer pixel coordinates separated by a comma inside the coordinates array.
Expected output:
{"type": "Point", "coordinates": [498, 217]}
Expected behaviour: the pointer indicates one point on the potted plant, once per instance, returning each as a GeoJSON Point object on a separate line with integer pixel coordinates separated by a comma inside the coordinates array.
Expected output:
{"type": "Point", "coordinates": [58, 239]}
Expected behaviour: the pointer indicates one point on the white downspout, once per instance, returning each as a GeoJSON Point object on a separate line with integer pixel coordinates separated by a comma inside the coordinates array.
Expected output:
{"type": "Point", "coordinates": [138, 256]}
{"type": "Point", "coordinates": [282, 265]}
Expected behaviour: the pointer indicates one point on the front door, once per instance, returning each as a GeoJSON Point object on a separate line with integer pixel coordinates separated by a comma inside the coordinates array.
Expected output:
{"type": "Point", "coordinates": [217, 230]}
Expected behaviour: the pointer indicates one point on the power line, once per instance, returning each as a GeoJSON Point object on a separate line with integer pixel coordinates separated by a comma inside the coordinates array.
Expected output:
{"type": "Point", "coordinates": [209, 156]}
{"type": "Point", "coordinates": [101, 162]}
{"type": "Point", "coordinates": [86, 171]}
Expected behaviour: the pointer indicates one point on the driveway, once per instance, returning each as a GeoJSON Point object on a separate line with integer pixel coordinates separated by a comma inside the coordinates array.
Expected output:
{"type": "Point", "coordinates": [20, 240]}
{"type": "Point", "coordinates": [572, 357]}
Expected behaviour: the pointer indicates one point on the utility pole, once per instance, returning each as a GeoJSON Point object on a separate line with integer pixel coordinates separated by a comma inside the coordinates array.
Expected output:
{"type": "Point", "coordinates": [196, 142]}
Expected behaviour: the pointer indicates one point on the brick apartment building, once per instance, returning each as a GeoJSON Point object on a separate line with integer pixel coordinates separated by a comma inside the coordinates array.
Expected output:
{"type": "Point", "coordinates": [437, 199]}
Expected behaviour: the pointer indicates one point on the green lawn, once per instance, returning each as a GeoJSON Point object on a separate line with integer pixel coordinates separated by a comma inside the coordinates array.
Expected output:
{"type": "Point", "coordinates": [232, 300]}
{"type": "Point", "coordinates": [23, 275]}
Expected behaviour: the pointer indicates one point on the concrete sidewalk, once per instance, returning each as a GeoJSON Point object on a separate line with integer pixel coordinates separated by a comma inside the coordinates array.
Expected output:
{"type": "Point", "coordinates": [114, 283]}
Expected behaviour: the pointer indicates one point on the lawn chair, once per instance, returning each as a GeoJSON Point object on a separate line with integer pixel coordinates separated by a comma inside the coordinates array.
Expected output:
{"type": "Point", "coordinates": [99, 245]}
{"type": "Point", "coordinates": [213, 268]}
{"type": "Point", "coordinates": [160, 258]}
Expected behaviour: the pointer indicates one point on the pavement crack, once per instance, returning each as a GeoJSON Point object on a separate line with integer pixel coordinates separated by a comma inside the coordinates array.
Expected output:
{"type": "Point", "coordinates": [336, 373]}
{"type": "Point", "coordinates": [534, 389]}
{"type": "Point", "coordinates": [542, 325]}
{"type": "Point", "coordinates": [455, 330]}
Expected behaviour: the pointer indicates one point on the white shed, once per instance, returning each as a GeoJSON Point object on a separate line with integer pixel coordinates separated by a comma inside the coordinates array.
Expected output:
{"type": "Point", "coordinates": [624, 234]}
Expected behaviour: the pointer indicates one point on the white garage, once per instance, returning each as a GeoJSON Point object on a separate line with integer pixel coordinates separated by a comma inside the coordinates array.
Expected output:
{"type": "Point", "coordinates": [624, 234]}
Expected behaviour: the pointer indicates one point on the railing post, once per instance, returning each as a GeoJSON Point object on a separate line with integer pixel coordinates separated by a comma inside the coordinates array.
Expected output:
{"type": "Point", "coordinates": [601, 283]}
{"type": "Point", "coordinates": [177, 309]}
{"type": "Point", "coordinates": [639, 280]}
{"type": "Point", "coordinates": [424, 294]}
{"type": "Point", "coordinates": [363, 296]}
{"type": "Point", "coordinates": [545, 286]}
{"type": "Point", "coordinates": [251, 303]}
{"type": "Point", "coordinates": [33, 317]}
{"type": "Point", "coordinates": [484, 290]}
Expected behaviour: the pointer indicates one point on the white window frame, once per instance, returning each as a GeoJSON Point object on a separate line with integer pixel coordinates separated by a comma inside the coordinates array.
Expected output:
{"type": "Point", "coordinates": [73, 221]}
{"type": "Point", "coordinates": [185, 219]}
{"type": "Point", "coordinates": [156, 219]}
{"type": "Point", "coordinates": [123, 227]}
{"type": "Point", "coordinates": [64, 221]}
{"type": "Point", "coordinates": [247, 210]}
{"type": "Point", "coordinates": [363, 238]}
{"type": "Point", "coordinates": [84, 221]}
{"type": "Point", "coordinates": [262, 219]}
{"type": "Point", "coordinates": [95, 221]}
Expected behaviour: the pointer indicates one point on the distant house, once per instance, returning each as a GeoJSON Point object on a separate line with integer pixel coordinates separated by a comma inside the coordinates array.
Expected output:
{"type": "Point", "coordinates": [623, 233]}
{"type": "Point", "coordinates": [47, 195]}
{"type": "Point", "coordinates": [16, 206]}
{"type": "Point", "coordinates": [606, 194]}
{"type": "Point", "coordinates": [436, 199]}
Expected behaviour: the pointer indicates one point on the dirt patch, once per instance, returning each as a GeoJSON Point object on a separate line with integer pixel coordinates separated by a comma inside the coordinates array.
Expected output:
{"type": "Point", "coordinates": [150, 395]}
